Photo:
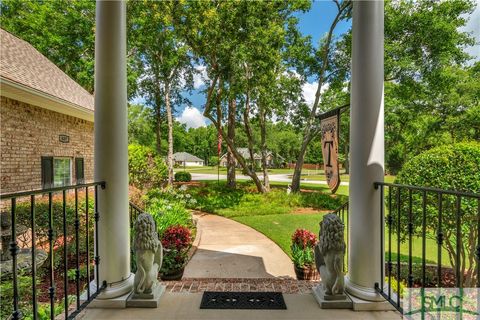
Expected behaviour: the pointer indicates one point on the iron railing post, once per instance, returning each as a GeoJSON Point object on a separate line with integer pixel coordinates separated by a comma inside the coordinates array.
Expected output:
{"type": "Point", "coordinates": [34, 257]}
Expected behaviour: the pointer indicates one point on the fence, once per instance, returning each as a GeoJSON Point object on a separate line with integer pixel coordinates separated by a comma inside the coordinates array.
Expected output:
{"type": "Point", "coordinates": [55, 237]}
{"type": "Point", "coordinates": [449, 219]}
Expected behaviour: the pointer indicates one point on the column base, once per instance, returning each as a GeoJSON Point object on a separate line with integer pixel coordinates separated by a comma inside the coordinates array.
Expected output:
{"type": "Point", "coordinates": [361, 292]}
{"type": "Point", "coordinates": [113, 296]}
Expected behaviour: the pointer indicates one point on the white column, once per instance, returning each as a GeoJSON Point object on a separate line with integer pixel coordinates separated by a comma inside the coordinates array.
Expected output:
{"type": "Point", "coordinates": [111, 147]}
{"type": "Point", "coordinates": [366, 149]}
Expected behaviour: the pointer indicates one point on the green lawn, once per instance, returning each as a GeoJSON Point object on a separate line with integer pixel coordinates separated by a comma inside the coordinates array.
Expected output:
{"type": "Point", "coordinates": [272, 215]}
{"type": "Point", "coordinates": [314, 175]}
{"type": "Point", "coordinates": [343, 177]}
{"type": "Point", "coordinates": [279, 228]}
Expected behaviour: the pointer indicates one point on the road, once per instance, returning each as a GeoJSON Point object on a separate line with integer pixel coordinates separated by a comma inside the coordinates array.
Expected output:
{"type": "Point", "coordinates": [273, 178]}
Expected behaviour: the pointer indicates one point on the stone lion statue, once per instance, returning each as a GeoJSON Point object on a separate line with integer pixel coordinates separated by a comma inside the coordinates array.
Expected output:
{"type": "Point", "coordinates": [149, 254]}
{"type": "Point", "coordinates": [329, 254]}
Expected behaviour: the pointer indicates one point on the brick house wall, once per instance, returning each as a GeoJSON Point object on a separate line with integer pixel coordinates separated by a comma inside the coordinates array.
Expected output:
{"type": "Point", "coordinates": [28, 133]}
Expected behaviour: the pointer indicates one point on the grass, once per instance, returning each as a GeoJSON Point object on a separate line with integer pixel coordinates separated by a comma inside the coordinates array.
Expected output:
{"type": "Point", "coordinates": [271, 215]}
{"type": "Point", "coordinates": [343, 177]}
{"type": "Point", "coordinates": [280, 228]}
{"type": "Point", "coordinates": [244, 201]}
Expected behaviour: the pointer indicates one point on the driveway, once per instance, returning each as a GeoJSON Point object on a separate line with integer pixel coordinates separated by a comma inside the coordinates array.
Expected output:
{"type": "Point", "coordinates": [273, 178]}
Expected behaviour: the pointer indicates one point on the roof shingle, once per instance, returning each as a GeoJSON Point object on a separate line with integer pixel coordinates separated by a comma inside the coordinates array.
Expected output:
{"type": "Point", "coordinates": [20, 62]}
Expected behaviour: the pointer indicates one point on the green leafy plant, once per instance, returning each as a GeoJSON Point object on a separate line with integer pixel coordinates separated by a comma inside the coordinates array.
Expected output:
{"type": "Point", "coordinates": [397, 286]}
{"type": "Point", "coordinates": [6, 295]}
{"type": "Point", "coordinates": [449, 167]}
{"type": "Point", "coordinates": [303, 243]}
{"type": "Point", "coordinates": [145, 169]}
{"type": "Point", "coordinates": [167, 213]}
{"type": "Point", "coordinates": [71, 273]}
{"type": "Point", "coordinates": [176, 241]}
{"type": "Point", "coordinates": [183, 176]}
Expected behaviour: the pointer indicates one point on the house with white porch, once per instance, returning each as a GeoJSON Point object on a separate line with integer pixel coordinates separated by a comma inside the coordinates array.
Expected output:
{"type": "Point", "coordinates": [108, 293]}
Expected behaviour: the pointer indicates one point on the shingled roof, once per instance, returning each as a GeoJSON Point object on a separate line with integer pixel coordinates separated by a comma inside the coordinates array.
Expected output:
{"type": "Point", "coordinates": [184, 156]}
{"type": "Point", "coordinates": [22, 64]}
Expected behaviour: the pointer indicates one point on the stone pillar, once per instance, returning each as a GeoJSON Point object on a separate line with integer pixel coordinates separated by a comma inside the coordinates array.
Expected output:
{"type": "Point", "coordinates": [111, 147]}
{"type": "Point", "coordinates": [366, 149]}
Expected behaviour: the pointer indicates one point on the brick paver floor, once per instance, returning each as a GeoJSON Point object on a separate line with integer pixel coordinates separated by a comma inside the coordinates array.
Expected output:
{"type": "Point", "coordinates": [198, 285]}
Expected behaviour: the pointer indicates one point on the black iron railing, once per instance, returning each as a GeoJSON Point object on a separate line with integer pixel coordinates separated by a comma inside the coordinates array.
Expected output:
{"type": "Point", "coordinates": [22, 199]}
{"type": "Point", "coordinates": [134, 212]}
{"type": "Point", "coordinates": [343, 213]}
{"type": "Point", "coordinates": [414, 215]}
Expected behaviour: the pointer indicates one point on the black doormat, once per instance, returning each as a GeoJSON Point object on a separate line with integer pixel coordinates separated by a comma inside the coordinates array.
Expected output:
{"type": "Point", "coordinates": [242, 300]}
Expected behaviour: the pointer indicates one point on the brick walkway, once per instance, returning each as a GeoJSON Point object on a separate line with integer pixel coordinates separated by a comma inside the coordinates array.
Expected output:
{"type": "Point", "coordinates": [198, 285]}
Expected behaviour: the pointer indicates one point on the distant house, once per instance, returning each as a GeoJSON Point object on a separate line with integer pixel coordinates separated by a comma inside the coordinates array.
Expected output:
{"type": "Point", "coordinates": [186, 159]}
{"type": "Point", "coordinates": [272, 159]}
{"type": "Point", "coordinates": [47, 121]}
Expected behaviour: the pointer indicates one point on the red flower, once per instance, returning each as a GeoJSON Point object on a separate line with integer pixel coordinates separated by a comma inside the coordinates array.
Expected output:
{"type": "Point", "coordinates": [304, 238]}
{"type": "Point", "coordinates": [176, 237]}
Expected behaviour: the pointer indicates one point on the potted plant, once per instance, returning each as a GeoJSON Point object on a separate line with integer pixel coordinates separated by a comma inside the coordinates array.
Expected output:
{"type": "Point", "coordinates": [303, 257]}
{"type": "Point", "coordinates": [176, 241]}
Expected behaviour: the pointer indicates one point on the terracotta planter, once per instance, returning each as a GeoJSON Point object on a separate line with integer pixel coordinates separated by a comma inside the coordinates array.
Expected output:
{"type": "Point", "coordinates": [172, 275]}
{"type": "Point", "coordinates": [307, 273]}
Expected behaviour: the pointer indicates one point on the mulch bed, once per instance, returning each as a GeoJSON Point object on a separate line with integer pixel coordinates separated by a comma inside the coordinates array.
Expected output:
{"type": "Point", "coordinates": [44, 280]}
{"type": "Point", "coordinates": [447, 281]}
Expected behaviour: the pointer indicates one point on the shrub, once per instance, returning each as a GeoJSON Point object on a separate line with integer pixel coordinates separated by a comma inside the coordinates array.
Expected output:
{"type": "Point", "coordinates": [450, 167]}
{"type": "Point", "coordinates": [145, 169]}
{"type": "Point", "coordinates": [213, 161]}
{"type": "Point", "coordinates": [183, 176]}
{"type": "Point", "coordinates": [322, 201]}
{"type": "Point", "coordinates": [42, 223]}
{"type": "Point", "coordinates": [303, 243]}
{"type": "Point", "coordinates": [24, 292]}
{"type": "Point", "coordinates": [167, 213]}
{"type": "Point", "coordinates": [176, 241]}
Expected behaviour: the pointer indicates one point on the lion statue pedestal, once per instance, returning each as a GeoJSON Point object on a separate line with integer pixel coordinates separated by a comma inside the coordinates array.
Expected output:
{"type": "Point", "coordinates": [329, 255]}
{"type": "Point", "coordinates": [149, 254]}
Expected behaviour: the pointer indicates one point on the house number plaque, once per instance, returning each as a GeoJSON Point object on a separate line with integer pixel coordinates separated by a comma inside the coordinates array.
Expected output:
{"type": "Point", "coordinates": [64, 138]}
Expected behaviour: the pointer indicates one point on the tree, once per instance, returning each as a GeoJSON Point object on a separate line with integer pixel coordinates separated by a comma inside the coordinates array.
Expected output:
{"type": "Point", "coordinates": [239, 42]}
{"type": "Point", "coordinates": [164, 61]}
{"type": "Point", "coordinates": [449, 167]}
{"type": "Point", "coordinates": [140, 126]}
{"type": "Point", "coordinates": [427, 83]}
{"type": "Point", "coordinates": [63, 31]}
{"type": "Point", "coordinates": [322, 69]}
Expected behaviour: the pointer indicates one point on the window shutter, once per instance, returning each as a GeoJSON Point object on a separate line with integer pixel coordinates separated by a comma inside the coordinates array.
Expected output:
{"type": "Point", "coordinates": [79, 171]}
{"type": "Point", "coordinates": [47, 172]}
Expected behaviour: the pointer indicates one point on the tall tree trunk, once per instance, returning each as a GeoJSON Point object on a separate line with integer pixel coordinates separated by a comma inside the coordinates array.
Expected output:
{"type": "Point", "coordinates": [158, 127]}
{"type": "Point", "coordinates": [170, 135]}
{"type": "Point", "coordinates": [347, 160]}
{"type": "Point", "coordinates": [231, 163]}
{"type": "Point", "coordinates": [300, 160]}
{"type": "Point", "coordinates": [248, 131]}
{"type": "Point", "coordinates": [263, 146]}
{"type": "Point", "coordinates": [307, 133]}
{"type": "Point", "coordinates": [230, 142]}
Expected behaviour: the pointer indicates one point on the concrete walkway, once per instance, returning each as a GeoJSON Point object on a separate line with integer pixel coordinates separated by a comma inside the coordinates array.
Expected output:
{"type": "Point", "coordinates": [272, 177]}
{"type": "Point", "coordinates": [228, 249]}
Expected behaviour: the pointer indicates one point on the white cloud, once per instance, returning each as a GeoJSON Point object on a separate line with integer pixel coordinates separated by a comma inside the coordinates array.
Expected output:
{"type": "Point", "coordinates": [200, 77]}
{"type": "Point", "coordinates": [192, 117]}
{"type": "Point", "coordinates": [473, 26]}
{"type": "Point", "coordinates": [309, 90]}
